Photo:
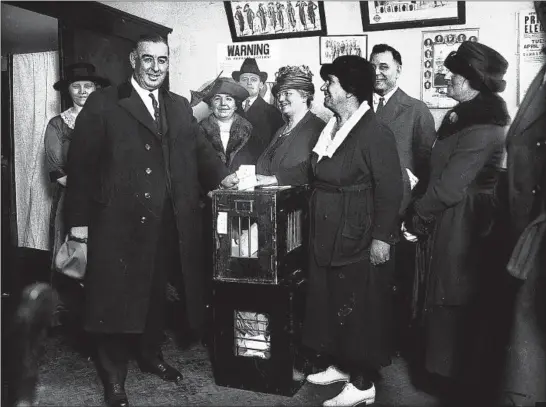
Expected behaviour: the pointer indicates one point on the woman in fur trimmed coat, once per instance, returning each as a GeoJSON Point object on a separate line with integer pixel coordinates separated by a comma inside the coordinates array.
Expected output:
{"type": "Point", "coordinates": [227, 131]}
{"type": "Point", "coordinates": [454, 216]}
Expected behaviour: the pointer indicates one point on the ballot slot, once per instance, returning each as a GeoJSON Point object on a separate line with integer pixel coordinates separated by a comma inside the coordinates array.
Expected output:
{"type": "Point", "coordinates": [244, 236]}
{"type": "Point", "coordinates": [252, 338]}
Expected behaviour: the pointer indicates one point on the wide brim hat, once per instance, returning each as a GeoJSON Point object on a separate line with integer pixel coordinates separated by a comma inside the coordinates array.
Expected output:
{"type": "Point", "coordinates": [226, 86]}
{"type": "Point", "coordinates": [249, 66]}
{"type": "Point", "coordinates": [480, 64]}
{"type": "Point", "coordinates": [71, 259]}
{"type": "Point", "coordinates": [81, 71]}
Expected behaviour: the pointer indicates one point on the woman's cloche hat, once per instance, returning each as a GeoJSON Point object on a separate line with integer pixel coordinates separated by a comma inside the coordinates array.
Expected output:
{"type": "Point", "coordinates": [226, 86]}
{"type": "Point", "coordinates": [80, 71]}
{"type": "Point", "coordinates": [480, 64]}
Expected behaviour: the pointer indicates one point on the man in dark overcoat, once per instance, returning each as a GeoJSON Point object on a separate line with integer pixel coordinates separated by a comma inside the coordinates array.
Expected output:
{"type": "Point", "coordinates": [525, 370]}
{"type": "Point", "coordinates": [265, 118]}
{"type": "Point", "coordinates": [413, 126]}
{"type": "Point", "coordinates": [136, 164]}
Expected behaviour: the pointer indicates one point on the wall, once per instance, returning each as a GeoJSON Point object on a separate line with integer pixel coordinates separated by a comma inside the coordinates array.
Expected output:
{"type": "Point", "coordinates": [199, 26]}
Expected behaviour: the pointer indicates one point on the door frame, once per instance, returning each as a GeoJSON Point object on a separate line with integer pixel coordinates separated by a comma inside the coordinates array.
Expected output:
{"type": "Point", "coordinates": [71, 16]}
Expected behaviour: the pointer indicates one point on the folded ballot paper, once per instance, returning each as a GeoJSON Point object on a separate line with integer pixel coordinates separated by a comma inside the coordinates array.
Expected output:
{"type": "Point", "coordinates": [413, 181]}
{"type": "Point", "coordinates": [247, 177]}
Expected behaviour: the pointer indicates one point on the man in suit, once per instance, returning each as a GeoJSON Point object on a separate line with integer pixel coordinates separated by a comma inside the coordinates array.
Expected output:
{"type": "Point", "coordinates": [525, 370]}
{"type": "Point", "coordinates": [136, 164]}
{"type": "Point", "coordinates": [413, 126]}
{"type": "Point", "coordinates": [265, 118]}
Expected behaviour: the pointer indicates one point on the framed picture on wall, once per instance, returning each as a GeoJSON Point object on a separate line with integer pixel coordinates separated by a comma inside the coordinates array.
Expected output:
{"type": "Point", "coordinates": [258, 21]}
{"type": "Point", "coordinates": [393, 15]}
{"type": "Point", "coordinates": [435, 47]}
{"type": "Point", "coordinates": [334, 46]}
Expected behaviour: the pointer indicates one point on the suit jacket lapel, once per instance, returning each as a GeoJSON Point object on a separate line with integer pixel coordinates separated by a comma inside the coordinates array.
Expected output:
{"type": "Point", "coordinates": [130, 100]}
{"type": "Point", "coordinates": [170, 116]}
{"type": "Point", "coordinates": [394, 107]}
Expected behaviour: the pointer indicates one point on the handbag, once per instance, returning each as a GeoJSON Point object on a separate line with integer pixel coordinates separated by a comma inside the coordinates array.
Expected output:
{"type": "Point", "coordinates": [71, 259]}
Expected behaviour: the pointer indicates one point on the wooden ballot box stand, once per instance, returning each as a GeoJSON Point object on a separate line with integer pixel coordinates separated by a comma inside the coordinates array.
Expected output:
{"type": "Point", "coordinates": [258, 287]}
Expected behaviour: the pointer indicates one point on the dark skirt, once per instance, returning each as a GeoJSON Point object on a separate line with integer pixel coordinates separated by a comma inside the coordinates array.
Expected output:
{"type": "Point", "coordinates": [349, 313]}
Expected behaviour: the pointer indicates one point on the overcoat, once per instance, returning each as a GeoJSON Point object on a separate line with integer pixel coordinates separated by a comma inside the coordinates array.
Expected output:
{"type": "Point", "coordinates": [356, 195]}
{"type": "Point", "coordinates": [237, 152]}
{"type": "Point", "coordinates": [266, 120]}
{"type": "Point", "coordinates": [460, 196]}
{"type": "Point", "coordinates": [525, 370]}
{"type": "Point", "coordinates": [118, 175]}
{"type": "Point", "coordinates": [413, 127]}
{"type": "Point", "coordinates": [343, 223]}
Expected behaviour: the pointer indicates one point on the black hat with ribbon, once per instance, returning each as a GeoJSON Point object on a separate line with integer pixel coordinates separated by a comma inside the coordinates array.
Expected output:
{"type": "Point", "coordinates": [249, 66]}
{"type": "Point", "coordinates": [81, 71]}
{"type": "Point", "coordinates": [481, 65]}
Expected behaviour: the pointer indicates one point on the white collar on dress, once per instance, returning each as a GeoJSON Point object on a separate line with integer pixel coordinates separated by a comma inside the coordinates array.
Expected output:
{"type": "Point", "coordinates": [326, 146]}
{"type": "Point", "coordinates": [69, 118]}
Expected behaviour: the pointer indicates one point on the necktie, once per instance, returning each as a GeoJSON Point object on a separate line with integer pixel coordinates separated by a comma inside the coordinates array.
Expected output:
{"type": "Point", "coordinates": [247, 105]}
{"type": "Point", "coordinates": [156, 111]}
{"type": "Point", "coordinates": [380, 105]}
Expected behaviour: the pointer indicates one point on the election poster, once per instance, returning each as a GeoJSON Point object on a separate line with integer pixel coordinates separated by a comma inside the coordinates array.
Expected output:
{"type": "Point", "coordinates": [530, 44]}
{"type": "Point", "coordinates": [436, 46]}
{"type": "Point", "coordinates": [270, 56]}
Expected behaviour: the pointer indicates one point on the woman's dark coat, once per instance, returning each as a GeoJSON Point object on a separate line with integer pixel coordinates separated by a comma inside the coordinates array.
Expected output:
{"type": "Point", "coordinates": [237, 152]}
{"type": "Point", "coordinates": [344, 224]}
{"type": "Point", "coordinates": [460, 198]}
{"type": "Point", "coordinates": [294, 148]}
{"type": "Point", "coordinates": [117, 185]}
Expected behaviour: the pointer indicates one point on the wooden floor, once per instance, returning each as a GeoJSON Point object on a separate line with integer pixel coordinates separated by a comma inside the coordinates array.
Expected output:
{"type": "Point", "coordinates": [68, 378]}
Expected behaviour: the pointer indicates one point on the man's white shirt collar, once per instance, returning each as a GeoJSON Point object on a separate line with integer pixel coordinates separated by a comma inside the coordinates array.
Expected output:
{"type": "Point", "coordinates": [387, 96]}
{"type": "Point", "coordinates": [326, 146]}
{"type": "Point", "coordinates": [145, 96]}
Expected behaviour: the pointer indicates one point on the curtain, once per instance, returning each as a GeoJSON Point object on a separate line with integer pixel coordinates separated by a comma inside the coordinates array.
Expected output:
{"type": "Point", "coordinates": [35, 102]}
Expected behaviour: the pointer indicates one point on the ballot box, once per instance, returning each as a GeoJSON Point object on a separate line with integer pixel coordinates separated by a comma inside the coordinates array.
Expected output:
{"type": "Point", "coordinates": [260, 235]}
{"type": "Point", "coordinates": [259, 287]}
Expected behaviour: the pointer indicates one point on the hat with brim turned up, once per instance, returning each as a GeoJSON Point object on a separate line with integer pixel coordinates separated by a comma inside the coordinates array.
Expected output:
{"type": "Point", "coordinates": [226, 86]}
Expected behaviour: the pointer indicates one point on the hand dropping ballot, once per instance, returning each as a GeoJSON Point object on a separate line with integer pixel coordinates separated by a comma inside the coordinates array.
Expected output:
{"type": "Point", "coordinates": [247, 177]}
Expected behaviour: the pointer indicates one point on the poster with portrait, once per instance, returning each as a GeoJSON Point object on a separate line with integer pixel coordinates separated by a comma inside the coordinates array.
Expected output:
{"type": "Point", "coordinates": [531, 40]}
{"type": "Point", "coordinates": [335, 46]}
{"type": "Point", "coordinates": [436, 46]}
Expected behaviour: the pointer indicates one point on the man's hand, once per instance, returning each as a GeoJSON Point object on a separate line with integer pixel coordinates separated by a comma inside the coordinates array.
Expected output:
{"type": "Point", "coordinates": [79, 231]}
{"type": "Point", "coordinates": [267, 180]}
{"type": "Point", "coordinates": [229, 182]}
{"type": "Point", "coordinates": [379, 252]}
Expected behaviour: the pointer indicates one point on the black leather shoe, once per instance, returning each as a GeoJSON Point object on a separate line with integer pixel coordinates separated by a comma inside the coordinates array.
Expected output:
{"type": "Point", "coordinates": [163, 370]}
{"type": "Point", "coordinates": [115, 396]}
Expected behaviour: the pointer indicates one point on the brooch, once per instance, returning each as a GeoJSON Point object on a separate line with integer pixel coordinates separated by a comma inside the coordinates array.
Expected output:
{"type": "Point", "coordinates": [453, 117]}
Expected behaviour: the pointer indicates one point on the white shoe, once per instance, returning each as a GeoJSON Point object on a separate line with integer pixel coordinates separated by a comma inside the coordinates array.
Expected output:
{"type": "Point", "coordinates": [329, 376]}
{"type": "Point", "coordinates": [351, 396]}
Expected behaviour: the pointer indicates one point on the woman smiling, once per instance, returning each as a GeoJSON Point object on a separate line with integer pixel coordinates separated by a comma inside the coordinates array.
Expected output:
{"type": "Point", "coordinates": [293, 142]}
